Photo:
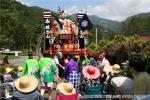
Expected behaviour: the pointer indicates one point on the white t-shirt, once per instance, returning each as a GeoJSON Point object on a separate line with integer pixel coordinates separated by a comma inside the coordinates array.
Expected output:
{"type": "Point", "coordinates": [56, 60]}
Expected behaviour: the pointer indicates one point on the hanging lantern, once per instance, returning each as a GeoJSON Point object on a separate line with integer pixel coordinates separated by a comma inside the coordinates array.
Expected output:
{"type": "Point", "coordinates": [66, 47]}
{"type": "Point", "coordinates": [70, 46]}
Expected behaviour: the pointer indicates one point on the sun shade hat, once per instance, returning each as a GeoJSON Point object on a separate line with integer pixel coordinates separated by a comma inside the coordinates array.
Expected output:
{"type": "Point", "coordinates": [66, 88]}
{"type": "Point", "coordinates": [26, 83]}
{"type": "Point", "coordinates": [8, 70]}
{"type": "Point", "coordinates": [91, 72]}
{"type": "Point", "coordinates": [123, 84]}
{"type": "Point", "coordinates": [19, 68]}
{"type": "Point", "coordinates": [116, 68]}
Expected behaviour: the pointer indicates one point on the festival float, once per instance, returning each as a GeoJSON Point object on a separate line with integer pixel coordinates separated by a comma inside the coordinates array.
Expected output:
{"type": "Point", "coordinates": [65, 35]}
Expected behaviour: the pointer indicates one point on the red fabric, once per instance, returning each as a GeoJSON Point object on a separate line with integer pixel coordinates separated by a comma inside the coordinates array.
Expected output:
{"type": "Point", "coordinates": [81, 53]}
{"type": "Point", "coordinates": [67, 97]}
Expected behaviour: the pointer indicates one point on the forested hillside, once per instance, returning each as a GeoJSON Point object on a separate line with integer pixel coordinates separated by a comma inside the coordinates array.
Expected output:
{"type": "Point", "coordinates": [20, 25]}
{"type": "Point", "coordinates": [138, 24]}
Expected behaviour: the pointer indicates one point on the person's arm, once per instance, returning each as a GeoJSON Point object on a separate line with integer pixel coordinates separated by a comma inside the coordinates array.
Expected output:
{"type": "Point", "coordinates": [58, 64]}
{"type": "Point", "coordinates": [24, 69]}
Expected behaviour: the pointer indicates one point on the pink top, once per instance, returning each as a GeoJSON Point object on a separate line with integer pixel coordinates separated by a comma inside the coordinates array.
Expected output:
{"type": "Point", "coordinates": [67, 97]}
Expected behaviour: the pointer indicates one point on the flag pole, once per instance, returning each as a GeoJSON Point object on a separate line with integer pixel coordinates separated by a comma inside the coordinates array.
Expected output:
{"type": "Point", "coordinates": [96, 37]}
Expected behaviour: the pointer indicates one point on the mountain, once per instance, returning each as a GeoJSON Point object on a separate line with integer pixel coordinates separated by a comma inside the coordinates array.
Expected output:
{"type": "Point", "coordinates": [108, 24]}
{"type": "Point", "coordinates": [142, 15]}
{"type": "Point", "coordinates": [105, 23]}
{"type": "Point", "coordinates": [137, 24]}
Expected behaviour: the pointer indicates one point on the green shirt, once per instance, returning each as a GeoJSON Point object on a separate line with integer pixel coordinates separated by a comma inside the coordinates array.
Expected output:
{"type": "Point", "coordinates": [30, 67]}
{"type": "Point", "coordinates": [47, 69]}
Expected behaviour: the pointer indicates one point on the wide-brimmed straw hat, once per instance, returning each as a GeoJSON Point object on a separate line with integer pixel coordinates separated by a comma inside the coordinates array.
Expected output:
{"type": "Point", "coordinates": [91, 72]}
{"type": "Point", "coordinates": [8, 70]}
{"type": "Point", "coordinates": [26, 83]}
{"type": "Point", "coordinates": [66, 88]}
{"type": "Point", "coordinates": [19, 68]}
{"type": "Point", "coordinates": [115, 68]}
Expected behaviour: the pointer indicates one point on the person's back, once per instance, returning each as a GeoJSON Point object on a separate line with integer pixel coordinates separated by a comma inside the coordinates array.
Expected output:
{"type": "Point", "coordinates": [137, 64]}
{"type": "Point", "coordinates": [47, 69]}
{"type": "Point", "coordinates": [73, 65]}
{"type": "Point", "coordinates": [142, 80]}
{"type": "Point", "coordinates": [30, 67]}
{"type": "Point", "coordinates": [26, 89]}
{"type": "Point", "coordinates": [47, 64]}
{"type": "Point", "coordinates": [27, 96]}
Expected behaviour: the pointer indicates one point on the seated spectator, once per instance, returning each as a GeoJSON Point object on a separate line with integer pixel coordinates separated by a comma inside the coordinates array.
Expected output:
{"type": "Point", "coordinates": [26, 87]}
{"type": "Point", "coordinates": [122, 85]}
{"type": "Point", "coordinates": [6, 91]}
{"type": "Point", "coordinates": [7, 76]}
{"type": "Point", "coordinates": [65, 91]}
{"type": "Point", "coordinates": [137, 64]}
{"type": "Point", "coordinates": [91, 84]}
{"type": "Point", "coordinates": [19, 70]}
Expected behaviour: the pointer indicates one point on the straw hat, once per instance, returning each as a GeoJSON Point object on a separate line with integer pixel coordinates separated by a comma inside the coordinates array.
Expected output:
{"type": "Point", "coordinates": [116, 68]}
{"type": "Point", "coordinates": [19, 68]}
{"type": "Point", "coordinates": [26, 84]}
{"type": "Point", "coordinates": [8, 70]}
{"type": "Point", "coordinates": [90, 72]}
{"type": "Point", "coordinates": [66, 88]}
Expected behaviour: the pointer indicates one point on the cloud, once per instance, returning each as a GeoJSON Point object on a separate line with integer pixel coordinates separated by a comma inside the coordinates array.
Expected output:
{"type": "Point", "coordinates": [115, 9]}
{"type": "Point", "coordinates": [26, 2]}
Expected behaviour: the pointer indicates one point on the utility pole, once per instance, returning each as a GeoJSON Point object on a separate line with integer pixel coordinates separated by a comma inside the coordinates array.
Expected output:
{"type": "Point", "coordinates": [96, 37]}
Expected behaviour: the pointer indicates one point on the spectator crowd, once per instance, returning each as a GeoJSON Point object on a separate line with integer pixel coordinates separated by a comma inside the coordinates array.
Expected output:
{"type": "Point", "coordinates": [86, 77]}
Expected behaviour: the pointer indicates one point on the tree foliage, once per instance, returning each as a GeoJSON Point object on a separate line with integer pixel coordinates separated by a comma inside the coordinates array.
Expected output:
{"type": "Point", "coordinates": [20, 25]}
{"type": "Point", "coordinates": [137, 25]}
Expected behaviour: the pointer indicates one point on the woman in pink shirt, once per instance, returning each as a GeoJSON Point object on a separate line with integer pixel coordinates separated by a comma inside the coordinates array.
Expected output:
{"type": "Point", "coordinates": [103, 62]}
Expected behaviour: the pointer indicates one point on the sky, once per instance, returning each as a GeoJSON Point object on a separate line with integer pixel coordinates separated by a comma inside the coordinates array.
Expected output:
{"type": "Point", "coordinates": [117, 10]}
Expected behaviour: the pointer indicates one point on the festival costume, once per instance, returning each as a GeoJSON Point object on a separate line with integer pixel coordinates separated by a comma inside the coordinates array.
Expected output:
{"type": "Point", "coordinates": [47, 69]}
{"type": "Point", "coordinates": [71, 73]}
{"type": "Point", "coordinates": [30, 67]}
